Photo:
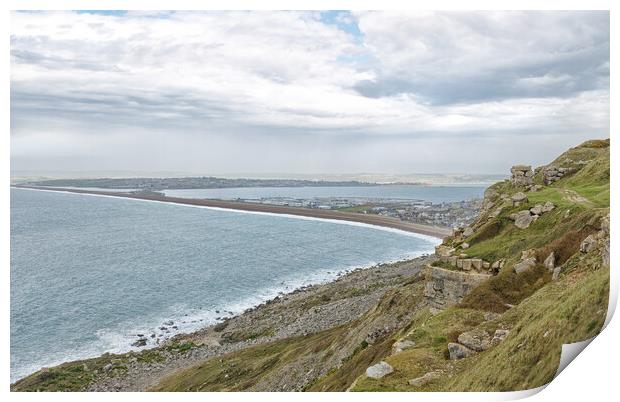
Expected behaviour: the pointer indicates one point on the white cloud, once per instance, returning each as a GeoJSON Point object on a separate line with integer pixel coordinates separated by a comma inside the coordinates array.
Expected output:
{"type": "Point", "coordinates": [230, 75]}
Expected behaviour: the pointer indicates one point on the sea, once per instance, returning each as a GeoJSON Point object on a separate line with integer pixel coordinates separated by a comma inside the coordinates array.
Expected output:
{"type": "Point", "coordinates": [90, 273]}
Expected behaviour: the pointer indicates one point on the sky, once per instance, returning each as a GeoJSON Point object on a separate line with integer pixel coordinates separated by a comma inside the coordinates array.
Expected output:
{"type": "Point", "coordinates": [304, 92]}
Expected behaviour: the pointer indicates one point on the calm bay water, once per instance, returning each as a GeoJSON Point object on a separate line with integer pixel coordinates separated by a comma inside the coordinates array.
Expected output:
{"type": "Point", "coordinates": [434, 194]}
{"type": "Point", "coordinates": [89, 273]}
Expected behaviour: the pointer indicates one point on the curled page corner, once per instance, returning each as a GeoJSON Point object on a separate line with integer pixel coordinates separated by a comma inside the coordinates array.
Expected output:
{"type": "Point", "coordinates": [569, 352]}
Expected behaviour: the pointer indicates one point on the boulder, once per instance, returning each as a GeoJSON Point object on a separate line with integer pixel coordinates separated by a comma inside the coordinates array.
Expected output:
{"type": "Point", "coordinates": [467, 265]}
{"type": "Point", "coordinates": [476, 263]}
{"type": "Point", "coordinates": [556, 273]}
{"type": "Point", "coordinates": [468, 232]}
{"type": "Point", "coordinates": [536, 209]}
{"type": "Point", "coordinates": [499, 336]}
{"type": "Point", "coordinates": [588, 244]}
{"type": "Point", "coordinates": [550, 261]}
{"type": "Point", "coordinates": [379, 370]}
{"type": "Point", "coordinates": [476, 339]}
{"type": "Point", "coordinates": [426, 378]}
{"type": "Point", "coordinates": [452, 260]}
{"type": "Point", "coordinates": [399, 346]}
{"type": "Point", "coordinates": [465, 246]}
{"type": "Point", "coordinates": [519, 198]}
{"type": "Point", "coordinates": [458, 351]}
{"type": "Point", "coordinates": [523, 219]}
{"type": "Point", "coordinates": [547, 207]}
{"type": "Point", "coordinates": [443, 251]}
{"type": "Point", "coordinates": [525, 265]}
{"type": "Point", "coordinates": [529, 253]}
{"type": "Point", "coordinates": [486, 265]}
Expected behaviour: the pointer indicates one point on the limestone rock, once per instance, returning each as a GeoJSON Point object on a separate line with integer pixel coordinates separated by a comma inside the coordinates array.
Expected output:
{"type": "Point", "coordinates": [536, 209]}
{"type": "Point", "coordinates": [467, 265]}
{"type": "Point", "coordinates": [519, 198]}
{"type": "Point", "coordinates": [499, 336]}
{"type": "Point", "coordinates": [523, 219]}
{"type": "Point", "coordinates": [548, 207]}
{"type": "Point", "coordinates": [399, 346]}
{"type": "Point", "coordinates": [521, 175]}
{"type": "Point", "coordinates": [443, 251]}
{"type": "Point", "coordinates": [468, 232]}
{"type": "Point", "coordinates": [476, 263]}
{"type": "Point", "coordinates": [529, 253]}
{"type": "Point", "coordinates": [556, 273]}
{"type": "Point", "coordinates": [379, 370]}
{"type": "Point", "coordinates": [476, 339]}
{"type": "Point", "coordinates": [525, 265]}
{"type": "Point", "coordinates": [426, 378]}
{"type": "Point", "coordinates": [458, 351]}
{"type": "Point", "coordinates": [550, 261]}
{"type": "Point", "coordinates": [588, 244]}
{"type": "Point", "coordinates": [464, 246]}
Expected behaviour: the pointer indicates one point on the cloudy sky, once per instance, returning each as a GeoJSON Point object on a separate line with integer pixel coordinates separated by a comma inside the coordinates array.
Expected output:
{"type": "Point", "coordinates": [304, 92]}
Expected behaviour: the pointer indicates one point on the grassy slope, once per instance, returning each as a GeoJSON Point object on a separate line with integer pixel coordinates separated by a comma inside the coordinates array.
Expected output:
{"type": "Point", "coordinates": [547, 314]}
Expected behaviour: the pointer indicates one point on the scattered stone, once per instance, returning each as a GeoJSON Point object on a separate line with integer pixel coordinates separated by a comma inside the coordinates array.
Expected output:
{"type": "Point", "coordinates": [556, 273]}
{"type": "Point", "coordinates": [536, 209]}
{"type": "Point", "coordinates": [548, 207]}
{"type": "Point", "coordinates": [499, 336]}
{"type": "Point", "coordinates": [476, 339]}
{"type": "Point", "coordinates": [525, 265]}
{"type": "Point", "coordinates": [486, 265]}
{"type": "Point", "coordinates": [458, 351]}
{"type": "Point", "coordinates": [108, 367]}
{"type": "Point", "coordinates": [140, 342]}
{"type": "Point", "coordinates": [465, 246]}
{"type": "Point", "coordinates": [523, 219]}
{"type": "Point", "coordinates": [169, 323]}
{"type": "Point", "coordinates": [529, 253]}
{"type": "Point", "coordinates": [519, 198]}
{"type": "Point", "coordinates": [426, 378]}
{"type": "Point", "coordinates": [379, 370]}
{"type": "Point", "coordinates": [588, 244]}
{"type": "Point", "coordinates": [550, 262]}
{"type": "Point", "coordinates": [468, 232]}
{"type": "Point", "coordinates": [489, 316]}
{"type": "Point", "coordinates": [535, 188]}
{"type": "Point", "coordinates": [399, 346]}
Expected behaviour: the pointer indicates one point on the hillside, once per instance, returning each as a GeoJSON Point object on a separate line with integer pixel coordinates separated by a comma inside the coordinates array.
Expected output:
{"type": "Point", "coordinates": [540, 251]}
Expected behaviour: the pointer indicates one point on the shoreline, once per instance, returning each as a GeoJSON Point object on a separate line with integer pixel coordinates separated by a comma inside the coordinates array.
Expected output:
{"type": "Point", "coordinates": [330, 215]}
{"type": "Point", "coordinates": [288, 314]}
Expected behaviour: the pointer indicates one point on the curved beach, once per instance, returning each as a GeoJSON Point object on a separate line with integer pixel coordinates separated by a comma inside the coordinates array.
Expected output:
{"type": "Point", "coordinates": [377, 220]}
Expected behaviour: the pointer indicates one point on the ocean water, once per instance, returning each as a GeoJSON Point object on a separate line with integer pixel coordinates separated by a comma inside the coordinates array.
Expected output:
{"type": "Point", "coordinates": [89, 273]}
{"type": "Point", "coordinates": [435, 194]}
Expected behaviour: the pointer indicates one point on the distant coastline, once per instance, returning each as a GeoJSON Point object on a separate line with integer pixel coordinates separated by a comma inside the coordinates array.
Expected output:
{"type": "Point", "coordinates": [377, 220]}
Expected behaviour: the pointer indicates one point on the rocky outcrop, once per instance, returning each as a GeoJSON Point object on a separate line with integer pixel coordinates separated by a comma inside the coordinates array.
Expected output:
{"type": "Point", "coordinates": [476, 339]}
{"type": "Point", "coordinates": [458, 351]}
{"type": "Point", "coordinates": [552, 173]}
{"type": "Point", "coordinates": [525, 265]}
{"type": "Point", "coordinates": [521, 175]}
{"type": "Point", "coordinates": [588, 244]}
{"type": "Point", "coordinates": [518, 199]}
{"type": "Point", "coordinates": [379, 370]}
{"type": "Point", "coordinates": [523, 219]}
{"type": "Point", "coordinates": [549, 262]}
{"type": "Point", "coordinates": [446, 287]}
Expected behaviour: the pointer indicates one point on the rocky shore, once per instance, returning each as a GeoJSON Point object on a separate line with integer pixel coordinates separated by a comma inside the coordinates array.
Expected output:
{"type": "Point", "coordinates": [303, 312]}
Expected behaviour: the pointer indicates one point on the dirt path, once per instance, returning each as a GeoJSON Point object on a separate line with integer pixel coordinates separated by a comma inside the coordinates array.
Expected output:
{"type": "Point", "coordinates": [575, 197]}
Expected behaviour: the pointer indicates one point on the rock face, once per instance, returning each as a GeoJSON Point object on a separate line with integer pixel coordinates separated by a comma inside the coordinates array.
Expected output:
{"type": "Point", "coordinates": [379, 370]}
{"type": "Point", "coordinates": [426, 378]}
{"type": "Point", "coordinates": [525, 265]}
{"type": "Point", "coordinates": [476, 339]}
{"type": "Point", "coordinates": [523, 219]}
{"type": "Point", "coordinates": [550, 261]}
{"type": "Point", "coordinates": [445, 287]}
{"type": "Point", "coordinates": [521, 175]}
{"type": "Point", "coordinates": [458, 351]}
{"type": "Point", "coordinates": [552, 173]}
{"type": "Point", "coordinates": [518, 199]}
{"type": "Point", "coordinates": [588, 244]}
